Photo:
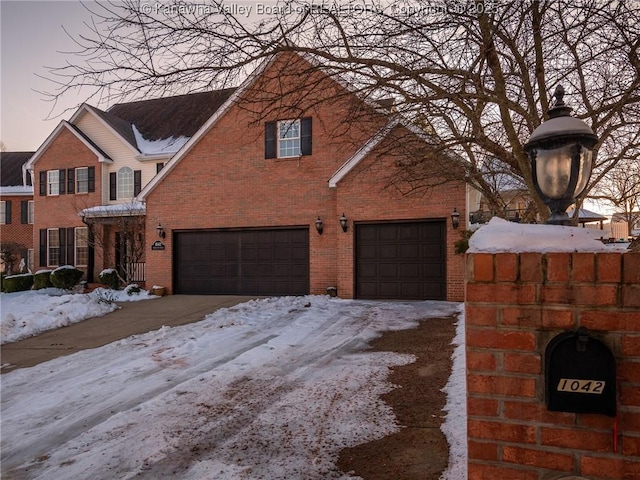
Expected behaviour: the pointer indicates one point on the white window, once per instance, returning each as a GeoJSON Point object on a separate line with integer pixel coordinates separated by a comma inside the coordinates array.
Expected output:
{"type": "Point", "coordinates": [3, 213]}
{"type": "Point", "coordinates": [82, 180]}
{"type": "Point", "coordinates": [53, 182]}
{"type": "Point", "coordinates": [30, 212]}
{"type": "Point", "coordinates": [125, 183]}
{"type": "Point", "coordinates": [289, 138]}
{"type": "Point", "coordinates": [53, 251]}
{"type": "Point", "coordinates": [30, 260]}
{"type": "Point", "coordinates": [82, 246]}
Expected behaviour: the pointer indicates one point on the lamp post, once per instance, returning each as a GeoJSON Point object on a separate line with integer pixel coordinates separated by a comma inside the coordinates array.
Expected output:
{"type": "Point", "coordinates": [561, 154]}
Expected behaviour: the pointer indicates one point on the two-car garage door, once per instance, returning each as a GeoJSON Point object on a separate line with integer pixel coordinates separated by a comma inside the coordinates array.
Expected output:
{"type": "Point", "coordinates": [242, 262]}
{"type": "Point", "coordinates": [395, 260]}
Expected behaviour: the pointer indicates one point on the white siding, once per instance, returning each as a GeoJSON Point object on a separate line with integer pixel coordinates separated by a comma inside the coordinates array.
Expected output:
{"type": "Point", "coordinates": [117, 150]}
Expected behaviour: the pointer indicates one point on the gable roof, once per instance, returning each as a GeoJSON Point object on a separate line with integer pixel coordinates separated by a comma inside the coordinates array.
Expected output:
{"type": "Point", "coordinates": [102, 156]}
{"type": "Point", "coordinates": [11, 168]}
{"type": "Point", "coordinates": [178, 116]}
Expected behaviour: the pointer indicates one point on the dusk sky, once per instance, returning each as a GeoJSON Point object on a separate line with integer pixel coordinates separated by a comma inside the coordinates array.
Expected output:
{"type": "Point", "coordinates": [31, 38]}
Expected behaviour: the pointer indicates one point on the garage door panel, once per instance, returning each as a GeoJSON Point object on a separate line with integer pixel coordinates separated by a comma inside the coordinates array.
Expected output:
{"type": "Point", "coordinates": [402, 260]}
{"type": "Point", "coordinates": [246, 262]}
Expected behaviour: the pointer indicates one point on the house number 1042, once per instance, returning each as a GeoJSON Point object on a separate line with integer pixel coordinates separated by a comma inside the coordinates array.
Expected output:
{"type": "Point", "coordinates": [580, 386]}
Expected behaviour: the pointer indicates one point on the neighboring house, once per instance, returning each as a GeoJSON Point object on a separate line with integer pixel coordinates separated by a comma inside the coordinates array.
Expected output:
{"type": "Point", "coordinates": [16, 212]}
{"type": "Point", "coordinates": [252, 203]}
{"type": "Point", "coordinates": [89, 171]}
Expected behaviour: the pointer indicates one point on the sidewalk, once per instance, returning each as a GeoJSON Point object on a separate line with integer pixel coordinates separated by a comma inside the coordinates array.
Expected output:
{"type": "Point", "coordinates": [132, 318]}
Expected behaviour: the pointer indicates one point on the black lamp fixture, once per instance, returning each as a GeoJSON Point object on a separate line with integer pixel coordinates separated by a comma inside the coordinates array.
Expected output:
{"type": "Point", "coordinates": [561, 154]}
{"type": "Point", "coordinates": [319, 226]}
{"type": "Point", "coordinates": [455, 218]}
{"type": "Point", "coordinates": [160, 230]}
{"type": "Point", "coordinates": [344, 222]}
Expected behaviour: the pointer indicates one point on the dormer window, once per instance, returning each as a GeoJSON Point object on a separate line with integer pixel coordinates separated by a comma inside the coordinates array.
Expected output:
{"type": "Point", "coordinates": [288, 138]}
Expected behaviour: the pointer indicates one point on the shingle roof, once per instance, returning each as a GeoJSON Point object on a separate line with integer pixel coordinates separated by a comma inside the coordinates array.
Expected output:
{"type": "Point", "coordinates": [161, 118]}
{"type": "Point", "coordinates": [11, 168]}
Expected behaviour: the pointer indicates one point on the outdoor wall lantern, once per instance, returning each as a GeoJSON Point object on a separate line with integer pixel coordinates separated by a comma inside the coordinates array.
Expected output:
{"type": "Point", "coordinates": [344, 223]}
{"type": "Point", "coordinates": [319, 226]}
{"type": "Point", "coordinates": [561, 154]}
{"type": "Point", "coordinates": [455, 218]}
{"type": "Point", "coordinates": [160, 230]}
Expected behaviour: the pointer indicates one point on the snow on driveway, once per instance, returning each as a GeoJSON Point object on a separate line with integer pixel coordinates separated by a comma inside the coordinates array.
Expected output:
{"type": "Point", "coordinates": [270, 389]}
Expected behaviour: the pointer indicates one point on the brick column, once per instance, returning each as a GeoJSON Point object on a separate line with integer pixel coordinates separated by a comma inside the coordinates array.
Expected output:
{"type": "Point", "coordinates": [515, 304]}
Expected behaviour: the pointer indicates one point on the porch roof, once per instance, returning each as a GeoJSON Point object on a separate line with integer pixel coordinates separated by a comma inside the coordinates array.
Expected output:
{"type": "Point", "coordinates": [132, 209]}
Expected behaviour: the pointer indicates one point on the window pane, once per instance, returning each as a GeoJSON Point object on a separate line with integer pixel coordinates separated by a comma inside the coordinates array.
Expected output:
{"type": "Point", "coordinates": [82, 247]}
{"type": "Point", "coordinates": [82, 180]}
{"type": "Point", "coordinates": [54, 247]}
{"type": "Point", "coordinates": [125, 183]}
{"type": "Point", "coordinates": [53, 177]}
{"type": "Point", "coordinates": [30, 215]}
{"type": "Point", "coordinates": [3, 213]}
{"type": "Point", "coordinates": [289, 138]}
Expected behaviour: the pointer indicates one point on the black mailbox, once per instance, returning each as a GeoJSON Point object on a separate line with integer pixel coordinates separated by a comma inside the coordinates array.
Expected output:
{"type": "Point", "coordinates": [580, 374]}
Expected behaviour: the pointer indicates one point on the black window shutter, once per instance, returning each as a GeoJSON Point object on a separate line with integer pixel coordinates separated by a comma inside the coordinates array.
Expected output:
{"type": "Point", "coordinates": [270, 140]}
{"type": "Point", "coordinates": [43, 183]}
{"type": "Point", "coordinates": [305, 136]}
{"type": "Point", "coordinates": [91, 175]}
{"type": "Point", "coordinates": [43, 247]}
{"type": "Point", "coordinates": [62, 183]}
{"type": "Point", "coordinates": [24, 211]}
{"type": "Point", "coordinates": [62, 236]}
{"type": "Point", "coordinates": [71, 240]}
{"type": "Point", "coordinates": [71, 177]}
{"type": "Point", "coordinates": [7, 213]}
{"type": "Point", "coordinates": [112, 186]}
{"type": "Point", "coordinates": [159, 167]}
{"type": "Point", "coordinates": [137, 182]}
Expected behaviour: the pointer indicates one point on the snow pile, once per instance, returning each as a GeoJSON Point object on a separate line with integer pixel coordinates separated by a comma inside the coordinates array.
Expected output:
{"type": "Point", "coordinates": [270, 389]}
{"type": "Point", "coordinates": [500, 236]}
{"type": "Point", "coordinates": [25, 314]}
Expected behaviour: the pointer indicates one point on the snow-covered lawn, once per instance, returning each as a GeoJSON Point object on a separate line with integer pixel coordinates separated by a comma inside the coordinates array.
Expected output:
{"type": "Point", "coordinates": [269, 389]}
{"type": "Point", "coordinates": [24, 314]}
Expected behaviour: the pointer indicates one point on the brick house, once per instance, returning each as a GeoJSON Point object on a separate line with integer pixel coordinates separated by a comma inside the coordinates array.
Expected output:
{"type": "Point", "coordinates": [241, 191]}
{"type": "Point", "coordinates": [16, 211]}
{"type": "Point", "coordinates": [252, 203]}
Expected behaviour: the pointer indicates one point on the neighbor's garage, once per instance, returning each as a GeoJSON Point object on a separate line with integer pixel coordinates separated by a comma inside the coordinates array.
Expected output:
{"type": "Point", "coordinates": [242, 262]}
{"type": "Point", "coordinates": [403, 261]}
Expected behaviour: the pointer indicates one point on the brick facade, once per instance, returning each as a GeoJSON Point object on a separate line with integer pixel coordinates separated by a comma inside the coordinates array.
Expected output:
{"type": "Point", "coordinates": [17, 232]}
{"type": "Point", "coordinates": [224, 181]}
{"type": "Point", "coordinates": [515, 304]}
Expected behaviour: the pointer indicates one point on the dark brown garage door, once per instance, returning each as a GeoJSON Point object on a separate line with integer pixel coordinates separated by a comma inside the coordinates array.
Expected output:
{"type": "Point", "coordinates": [401, 261]}
{"type": "Point", "coordinates": [242, 262]}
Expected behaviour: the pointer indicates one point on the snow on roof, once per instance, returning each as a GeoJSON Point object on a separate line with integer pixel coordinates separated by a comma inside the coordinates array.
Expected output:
{"type": "Point", "coordinates": [502, 236]}
{"type": "Point", "coordinates": [119, 210]}
{"type": "Point", "coordinates": [154, 147]}
{"type": "Point", "coordinates": [17, 190]}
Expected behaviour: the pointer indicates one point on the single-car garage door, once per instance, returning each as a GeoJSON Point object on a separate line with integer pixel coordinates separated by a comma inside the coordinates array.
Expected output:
{"type": "Point", "coordinates": [401, 260]}
{"type": "Point", "coordinates": [242, 262]}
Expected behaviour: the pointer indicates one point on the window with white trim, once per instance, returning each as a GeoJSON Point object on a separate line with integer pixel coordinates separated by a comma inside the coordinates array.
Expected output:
{"type": "Point", "coordinates": [125, 183]}
{"type": "Point", "coordinates": [53, 247]}
{"type": "Point", "coordinates": [3, 212]}
{"type": "Point", "coordinates": [53, 182]}
{"type": "Point", "coordinates": [30, 212]}
{"type": "Point", "coordinates": [289, 138]}
{"type": "Point", "coordinates": [82, 180]}
{"type": "Point", "coordinates": [82, 246]}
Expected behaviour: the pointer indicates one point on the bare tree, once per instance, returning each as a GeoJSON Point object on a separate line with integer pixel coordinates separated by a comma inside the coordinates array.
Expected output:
{"type": "Point", "coordinates": [476, 76]}
{"type": "Point", "coordinates": [621, 188]}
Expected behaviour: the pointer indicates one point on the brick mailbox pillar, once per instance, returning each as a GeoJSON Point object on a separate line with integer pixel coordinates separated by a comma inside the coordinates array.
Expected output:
{"type": "Point", "coordinates": [516, 303]}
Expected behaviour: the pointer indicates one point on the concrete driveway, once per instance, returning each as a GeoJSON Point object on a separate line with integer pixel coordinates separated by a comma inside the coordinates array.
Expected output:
{"type": "Point", "coordinates": [132, 318]}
